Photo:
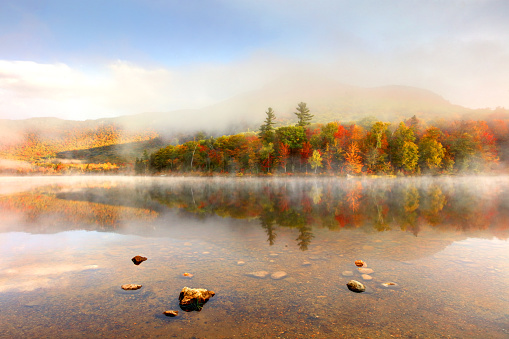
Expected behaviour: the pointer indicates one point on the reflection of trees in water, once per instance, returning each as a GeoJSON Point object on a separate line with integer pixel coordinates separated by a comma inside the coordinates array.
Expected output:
{"type": "Point", "coordinates": [267, 221]}
{"type": "Point", "coordinates": [371, 205]}
{"type": "Point", "coordinates": [433, 204]}
{"type": "Point", "coordinates": [301, 204]}
{"type": "Point", "coordinates": [304, 238]}
{"type": "Point", "coordinates": [47, 213]}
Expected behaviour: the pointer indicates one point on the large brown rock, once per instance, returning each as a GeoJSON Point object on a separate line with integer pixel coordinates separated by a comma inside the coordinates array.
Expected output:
{"type": "Point", "coordinates": [138, 259]}
{"type": "Point", "coordinates": [355, 286]}
{"type": "Point", "coordinates": [193, 299]}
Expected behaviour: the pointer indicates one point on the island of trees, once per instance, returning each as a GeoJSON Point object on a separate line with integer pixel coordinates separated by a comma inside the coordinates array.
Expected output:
{"type": "Point", "coordinates": [370, 147]}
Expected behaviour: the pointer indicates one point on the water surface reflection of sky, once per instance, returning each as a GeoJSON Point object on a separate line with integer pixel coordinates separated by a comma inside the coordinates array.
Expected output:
{"type": "Point", "coordinates": [66, 248]}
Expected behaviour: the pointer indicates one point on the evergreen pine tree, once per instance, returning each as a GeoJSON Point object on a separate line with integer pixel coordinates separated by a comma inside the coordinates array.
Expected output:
{"type": "Point", "coordinates": [267, 129]}
{"type": "Point", "coordinates": [303, 115]}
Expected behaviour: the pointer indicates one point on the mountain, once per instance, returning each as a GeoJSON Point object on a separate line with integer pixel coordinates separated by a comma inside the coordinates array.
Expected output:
{"type": "Point", "coordinates": [328, 100]}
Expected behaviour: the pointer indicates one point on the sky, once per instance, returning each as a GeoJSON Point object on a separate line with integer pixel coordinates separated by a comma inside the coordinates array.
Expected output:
{"type": "Point", "coordinates": [92, 59]}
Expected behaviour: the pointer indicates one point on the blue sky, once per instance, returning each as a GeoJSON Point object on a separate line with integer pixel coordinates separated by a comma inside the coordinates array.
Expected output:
{"type": "Point", "coordinates": [91, 59]}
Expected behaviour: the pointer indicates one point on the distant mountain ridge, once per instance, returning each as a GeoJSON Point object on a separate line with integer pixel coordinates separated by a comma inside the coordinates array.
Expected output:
{"type": "Point", "coordinates": [327, 99]}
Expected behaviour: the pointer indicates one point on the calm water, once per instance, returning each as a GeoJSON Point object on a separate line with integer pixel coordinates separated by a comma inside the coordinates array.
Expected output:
{"type": "Point", "coordinates": [66, 246]}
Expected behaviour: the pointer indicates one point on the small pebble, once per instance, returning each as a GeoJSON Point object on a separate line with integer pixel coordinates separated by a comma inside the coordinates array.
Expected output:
{"type": "Point", "coordinates": [360, 263]}
{"type": "Point", "coordinates": [347, 273]}
{"type": "Point", "coordinates": [130, 287]}
{"type": "Point", "coordinates": [278, 275]}
{"type": "Point", "coordinates": [365, 270]}
{"type": "Point", "coordinates": [171, 313]}
{"type": "Point", "coordinates": [258, 274]}
{"type": "Point", "coordinates": [391, 285]}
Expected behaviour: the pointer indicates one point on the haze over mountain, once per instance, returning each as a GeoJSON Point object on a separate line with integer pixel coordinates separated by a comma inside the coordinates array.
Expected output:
{"type": "Point", "coordinates": [327, 99]}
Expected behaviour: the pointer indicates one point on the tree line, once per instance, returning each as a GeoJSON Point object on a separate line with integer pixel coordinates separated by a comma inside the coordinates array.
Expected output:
{"type": "Point", "coordinates": [409, 147]}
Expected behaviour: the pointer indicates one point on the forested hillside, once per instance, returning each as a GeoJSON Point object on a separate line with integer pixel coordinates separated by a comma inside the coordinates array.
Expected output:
{"type": "Point", "coordinates": [374, 147]}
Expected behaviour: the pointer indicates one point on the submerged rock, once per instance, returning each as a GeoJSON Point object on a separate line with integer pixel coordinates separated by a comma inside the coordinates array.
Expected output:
{"type": "Point", "coordinates": [193, 299]}
{"type": "Point", "coordinates": [366, 277]}
{"type": "Point", "coordinates": [278, 275]}
{"type": "Point", "coordinates": [306, 263]}
{"type": "Point", "coordinates": [364, 270]}
{"type": "Point", "coordinates": [171, 313]}
{"type": "Point", "coordinates": [138, 259]}
{"type": "Point", "coordinates": [355, 286]}
{"type": "Point", "coordinates": [347, 273]}
{"type": "Point", "coordinates": [390, 285]}
{"type": "Point", "coordinates": [131, 287]}
{"type": "Point", "coordinates": [258, 274]}
{"type": "Point", "coordinates": [241, 263]}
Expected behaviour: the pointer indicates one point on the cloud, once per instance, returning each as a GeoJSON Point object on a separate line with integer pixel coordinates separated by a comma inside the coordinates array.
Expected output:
{"type": "Point", "coordinates": [121, 88]}
{"type": "Point", "coordinates": [471, 71]}
{"type": "Point", "coordinates": [458, 49]}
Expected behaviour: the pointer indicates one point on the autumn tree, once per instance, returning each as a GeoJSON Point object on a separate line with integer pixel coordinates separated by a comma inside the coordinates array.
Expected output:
{"type": "Point", "coordinates": [305, 153]}
{"type": "Point", "coordinates": [315, 160]}
{"type": "Point", "coordinates": [376, 146]}
{"type": "Point", "coordinates": [267, 156]}
{"type": "Point", "coordinates": [283, 153]}
{"type": "Point", "coordinates": [472, 145]}
{"type": "Point", "coordinates": [353, 159]}
{"type": "Point", "coordinates": [409, 156]}
{"type": "Point", "coordinates": [431, 150]}
{"type": "Point", "coordinates": [303, 114]}
{"type": "Point", "coordinates": [404, 152]}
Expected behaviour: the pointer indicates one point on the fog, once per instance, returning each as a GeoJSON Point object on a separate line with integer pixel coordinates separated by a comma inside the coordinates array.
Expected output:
{"type": "Point", "coordinates": [457, 49]}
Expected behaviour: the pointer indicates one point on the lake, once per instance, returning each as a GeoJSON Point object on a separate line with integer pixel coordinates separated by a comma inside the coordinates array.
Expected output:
{"type": "Point", "coordinates": [67, 242]}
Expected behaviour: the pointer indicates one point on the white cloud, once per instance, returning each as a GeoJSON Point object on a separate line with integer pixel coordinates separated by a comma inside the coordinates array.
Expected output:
{"type": "Point", "coordinates": [30, 89]}
{"type": "Point", "coordinates": [471, 72]}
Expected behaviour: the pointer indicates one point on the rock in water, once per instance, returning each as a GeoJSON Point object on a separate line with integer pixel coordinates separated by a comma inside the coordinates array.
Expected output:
{"type": "Point", "coordinates": [365, 270]}
{"type": "Point", "coordinates": [347, 273]}
{"type": "Point", "coordinates": [130, 287]}
{"type": "Point", "coordinates": [355, 286]}
{"type": "Point", "coordinates": [193, 299]}
{"type": "Point", "coordinates": [171, 313]}
{"type": "Point", "coordinates": [259, 274]}
{"type": "Point", "coordinates": [360, 263]}
{"type": "Point", "coordinates": [278, 275]}
{"type": "Point", "coordinates": [138, 259]}
{"type": "Point", "coordinates": [390, 285]}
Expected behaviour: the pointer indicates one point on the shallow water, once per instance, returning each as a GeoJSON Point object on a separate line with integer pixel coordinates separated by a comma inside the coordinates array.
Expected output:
{"type": "Point", "coordinates": [67, 244]}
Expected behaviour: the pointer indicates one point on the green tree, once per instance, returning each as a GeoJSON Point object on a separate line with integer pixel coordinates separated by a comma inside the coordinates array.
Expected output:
{"type": "Point", "coordinates": [292, 136]}
{"type": "Point", "coordinates": [267, 155]}
{"type": "Point", "coordinates": [431, 151]}
{"type": "Point", "coordinates": [403, 147]}
{"type": "Point", "coordinates": [409, 156]}
{"type": "Point", "coordinates": [267, 129]}
{"type": "Point", "coordinates": [376, 146]}
{"type": "Point", "coordinates": [303, 114]}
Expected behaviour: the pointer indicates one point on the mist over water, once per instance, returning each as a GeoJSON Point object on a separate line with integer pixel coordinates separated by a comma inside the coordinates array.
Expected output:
{"type": "Point", "coordinates": [66, 245]}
